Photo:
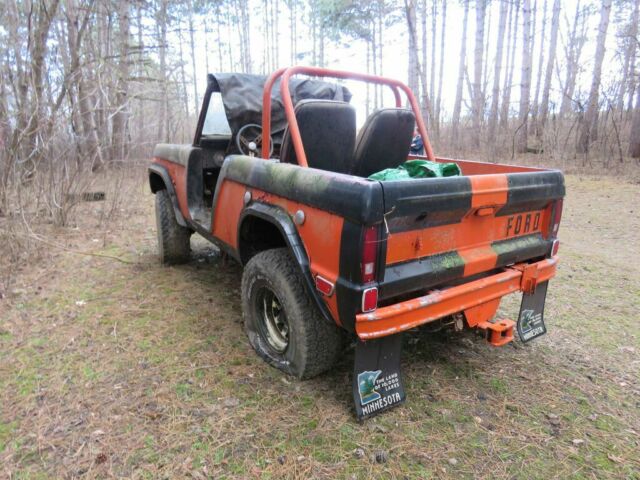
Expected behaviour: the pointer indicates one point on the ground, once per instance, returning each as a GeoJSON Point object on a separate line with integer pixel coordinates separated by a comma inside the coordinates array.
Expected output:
{"type": "Point", "coordinates": [113, 366]}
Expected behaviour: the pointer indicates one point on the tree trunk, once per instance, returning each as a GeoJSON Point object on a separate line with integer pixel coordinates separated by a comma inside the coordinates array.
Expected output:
{"type": "Point", "coordinates": [183, 78]}
{"type": "Point", "coordinates": [207, 64]}
{"type": "Point", "coordinates": [161, 21]}
{"type": "Point", "coordinates": [495, 95]}
{"type": "Point", "coordinates": [38, 49]}
{"type": "Point", "coordinates": [414, 64]}
{"type": "Point", "coordinates": [536, 98]}
{"type": "Point", "coordinates": [380, 45]}
{"type": "Point", "coordinates": [75, 33]}
{"type": "Point", "coordinates": [634, 139]}
{"type": "Point", "coordinates": [441, 66]}
{"type": "Point", "coordinates": [553, 41]}
{"type": "Point", "coordinates": [631, 41]}
{"type": "Point", "coordinates": [192, 47]}
{"type": "Point", "coordinates": [432, 73]}
{"type": "Point", "coordinates": [525, 79]}
{"type": "Point", "coordinates": [121, 115]}
{"type": "Point", "coordinates": [573, 51]}
{"type": "Point", "coordinates": [511, 53]}
{"type": "Point", "coordinates": [457, 106]}
{"type": "Point", "coordinates": [477, 105]}
{"type": "Point", "coordinates": [589, 127]}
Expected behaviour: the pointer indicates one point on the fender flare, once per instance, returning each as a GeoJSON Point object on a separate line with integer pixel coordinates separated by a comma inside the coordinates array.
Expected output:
{"type": "Point", "coordinates": [282, 221]}
{"type": "Point", "coordinates": [168, 185]}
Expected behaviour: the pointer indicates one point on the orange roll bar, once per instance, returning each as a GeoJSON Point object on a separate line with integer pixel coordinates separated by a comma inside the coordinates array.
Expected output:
{"type": "Point", "coordinates": [294, 130]}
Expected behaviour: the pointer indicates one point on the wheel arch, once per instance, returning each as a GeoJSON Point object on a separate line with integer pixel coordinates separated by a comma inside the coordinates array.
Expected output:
{"type": "Point", "coordinates": [273, 219]}
{"type": "Point", "coordinates": [159, 179]}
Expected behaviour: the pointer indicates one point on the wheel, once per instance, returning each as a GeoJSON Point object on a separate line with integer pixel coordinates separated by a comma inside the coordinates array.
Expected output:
{"type": "Point", "coordinates": [249, 140]}
{"type": "Point", "coordinates": [282, 322]}
{"type": "Point", "coordinates": [173, 239]}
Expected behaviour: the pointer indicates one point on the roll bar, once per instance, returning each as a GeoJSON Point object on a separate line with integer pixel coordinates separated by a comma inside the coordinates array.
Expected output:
{"type": "Point", "coordinates": [286, 74]}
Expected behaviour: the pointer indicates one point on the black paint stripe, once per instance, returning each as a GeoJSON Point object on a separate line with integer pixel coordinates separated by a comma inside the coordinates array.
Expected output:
{"type": "Point", "coordinates": [424, 203]}
{"type": "Point", "coordinates": [350, 197]}
{"type": "Point", "coordinates": [520, 249]}
{"type": "Point", "coordinates": [532, 191]}
{"type": "Point", "coordinates": [415, 275]}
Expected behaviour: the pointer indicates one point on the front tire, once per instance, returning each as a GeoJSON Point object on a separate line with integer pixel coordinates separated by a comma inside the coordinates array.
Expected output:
{"type": "Point", "coordinates": [173, 239]}
{"type": "Point", "coordinates": [282, 322]}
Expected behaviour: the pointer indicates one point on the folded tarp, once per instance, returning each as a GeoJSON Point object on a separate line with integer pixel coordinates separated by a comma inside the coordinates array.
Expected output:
{"type": "Point", "coordinates": [418, 169]}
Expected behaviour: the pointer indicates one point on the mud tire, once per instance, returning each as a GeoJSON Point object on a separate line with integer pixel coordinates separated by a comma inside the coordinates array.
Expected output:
{"type": "Point", "coordinates": [313, 344]}
{"type": "Point", "coordinates": [173, 239]}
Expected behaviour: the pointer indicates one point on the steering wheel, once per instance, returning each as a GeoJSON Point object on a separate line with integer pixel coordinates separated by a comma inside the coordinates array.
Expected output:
{"type": "Point", "coordinates": [249, 140]}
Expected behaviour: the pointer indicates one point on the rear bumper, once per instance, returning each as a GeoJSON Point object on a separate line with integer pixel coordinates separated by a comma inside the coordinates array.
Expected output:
{"type": "Point", "coordinates": [441, 303]}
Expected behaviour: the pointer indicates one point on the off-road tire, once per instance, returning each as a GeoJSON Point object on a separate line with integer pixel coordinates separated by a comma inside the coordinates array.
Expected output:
{"type": "Point", "coordinates": [173, 239]}
{"type": "Point", "coordinates": [314, 344]}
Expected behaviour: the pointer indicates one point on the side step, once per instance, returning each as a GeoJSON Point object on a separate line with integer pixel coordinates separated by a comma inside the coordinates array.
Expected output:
{"type": "Point", "coordinates": [499, 333]}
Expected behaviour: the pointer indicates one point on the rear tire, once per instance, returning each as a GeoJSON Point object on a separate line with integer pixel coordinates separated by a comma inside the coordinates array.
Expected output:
{"type": "Point", "coordinates": [284, 325]}
{"type": "Point", "coordinates": [173, 239]}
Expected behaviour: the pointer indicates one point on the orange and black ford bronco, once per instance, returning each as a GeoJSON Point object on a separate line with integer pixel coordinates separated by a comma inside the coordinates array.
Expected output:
{"type": "Point", "coordinates": [278, 178]}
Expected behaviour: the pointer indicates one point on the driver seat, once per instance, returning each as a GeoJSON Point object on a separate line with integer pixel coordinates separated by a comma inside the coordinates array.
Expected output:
{"type": "Point", "coordinates": [328, 131]}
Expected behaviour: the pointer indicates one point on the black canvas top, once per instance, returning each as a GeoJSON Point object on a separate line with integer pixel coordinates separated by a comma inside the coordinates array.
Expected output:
{"type": "Point", "coordinates": [242, 98]}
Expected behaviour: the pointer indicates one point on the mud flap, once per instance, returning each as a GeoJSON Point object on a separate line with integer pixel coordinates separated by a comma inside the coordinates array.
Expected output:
{"type": "Point", "coordinates": [377, 381]}
{"type": "Point", "coordinates": [531, 317]}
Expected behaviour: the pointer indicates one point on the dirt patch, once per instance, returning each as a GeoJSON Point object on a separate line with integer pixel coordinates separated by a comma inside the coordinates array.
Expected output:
{"type": "Point", "coordinates": [129, 369]}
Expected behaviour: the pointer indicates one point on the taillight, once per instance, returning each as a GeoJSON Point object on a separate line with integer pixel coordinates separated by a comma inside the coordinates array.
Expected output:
{"type": "Point", "coordinates": [370, 299]}
{"type": "Point", "coordinates": [557, 215]}
{"type": "Point", "coordinates": [555, 246]}
{"type": "Point", "coordinates": [369, 254]}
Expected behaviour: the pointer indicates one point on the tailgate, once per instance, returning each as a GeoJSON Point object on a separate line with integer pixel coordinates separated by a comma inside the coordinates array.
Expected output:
{"type": "Point", "coordinates": [444, 229]}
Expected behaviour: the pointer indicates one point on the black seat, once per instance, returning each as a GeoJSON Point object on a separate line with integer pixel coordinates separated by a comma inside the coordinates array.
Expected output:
{"type": "Point", "coordinates": [328, 131]}
{"type": "Point", "coordinates": [383, 141]}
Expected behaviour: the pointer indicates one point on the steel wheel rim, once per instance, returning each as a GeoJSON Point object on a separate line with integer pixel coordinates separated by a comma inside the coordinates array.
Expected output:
{"type": "Point", "coordinates": [273, 320]}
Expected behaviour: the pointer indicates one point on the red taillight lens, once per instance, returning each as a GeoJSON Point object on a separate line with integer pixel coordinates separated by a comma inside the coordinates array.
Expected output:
{"type": "Point", "coordinates": [369, 254]}
{"type": "Point", "coordinates": [370, 299]}
{"type": "Point", "coordinates": [557, 215]}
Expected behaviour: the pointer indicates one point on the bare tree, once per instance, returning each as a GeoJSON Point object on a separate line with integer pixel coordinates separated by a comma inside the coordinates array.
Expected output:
{"type": "Point", "coordinates": [589, 128]}
{"type": "Point", "coordinates": [121, 113]}
{"type": "Point", "coordinates": [536, 98]}
{"type": "Point", "coordinates": [443, 31]}
{"type": "Point", "coordinates": [630, 42]}
{"type": "Point", "coordinates": [477, 108]}
{"type": "Point", "coordinates": [512, 42]}
{"type": "Point", "coordinates": [414, 63]}
{"type": "Point", "coordinates": [553, 41]}
{"type": "Point", "coordinates": [634, 139]}
{"type": "Point", "coordinates": [495, 95]}
{"type": "Point", "coordinates": [457, 106]}
{"type": "Point", "coordinates": [525, 79]}
{"type": "Point", "coordinates": [161, 23]}
{"type": "Point", "coordinates": [573, 51]}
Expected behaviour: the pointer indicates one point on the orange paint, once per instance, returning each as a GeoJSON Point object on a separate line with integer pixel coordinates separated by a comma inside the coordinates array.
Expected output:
{"type": "Point", "coordinates": [178, 175]}
{"type": "Point", "coordinates": [473, 232]}
{"type": "Point", "coordinates": [320, 233]}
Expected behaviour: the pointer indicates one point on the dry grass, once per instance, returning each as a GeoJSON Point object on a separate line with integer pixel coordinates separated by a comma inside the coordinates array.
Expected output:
{"type": "Point", "coordinates": [111, 369]}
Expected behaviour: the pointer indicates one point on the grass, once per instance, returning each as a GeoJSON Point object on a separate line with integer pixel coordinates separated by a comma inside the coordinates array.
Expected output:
{"type": "Point", "coordinates": [133, 370]}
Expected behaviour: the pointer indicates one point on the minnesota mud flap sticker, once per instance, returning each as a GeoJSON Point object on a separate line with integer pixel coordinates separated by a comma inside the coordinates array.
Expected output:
{"type": "Point", "coordinates": [531, 317]}
{"type": "Point", "coordinates": [377, 382]}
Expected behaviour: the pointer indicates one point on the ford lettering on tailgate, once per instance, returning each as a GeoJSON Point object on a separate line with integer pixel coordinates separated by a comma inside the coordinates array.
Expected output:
{"type": "Point", "coordinates": [523, 223]}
